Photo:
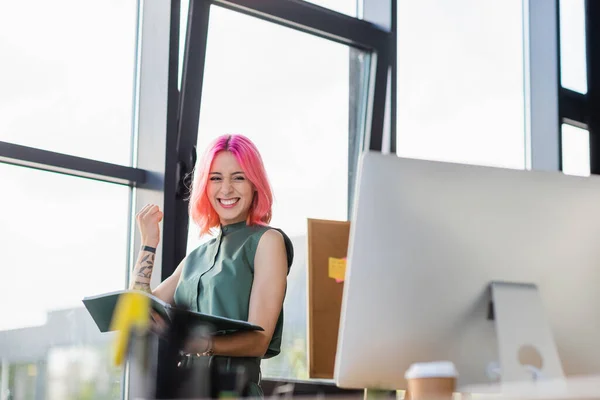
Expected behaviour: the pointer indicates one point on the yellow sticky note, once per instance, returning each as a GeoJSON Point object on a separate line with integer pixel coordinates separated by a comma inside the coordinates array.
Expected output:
{"type": "Point", "coordinates": [337, 268]}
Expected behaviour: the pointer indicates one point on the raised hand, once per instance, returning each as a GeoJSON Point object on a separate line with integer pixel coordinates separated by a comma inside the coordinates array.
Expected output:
{"type": "Point", "coordinates": [148, 220]}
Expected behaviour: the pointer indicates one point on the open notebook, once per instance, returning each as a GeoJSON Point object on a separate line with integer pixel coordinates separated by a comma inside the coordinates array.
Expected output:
{"type": "Point", "coordinates": [101, 307]}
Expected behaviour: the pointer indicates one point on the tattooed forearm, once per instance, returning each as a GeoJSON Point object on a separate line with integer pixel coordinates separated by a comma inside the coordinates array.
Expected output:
{"type": "Point", "coordinates": [142, 272]}
{"type": "Point", "coordinates": [145, 272]}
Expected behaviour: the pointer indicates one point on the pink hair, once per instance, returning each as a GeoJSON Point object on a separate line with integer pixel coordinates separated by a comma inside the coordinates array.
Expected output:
{"type": "Point", "coordinates": [246, 153]}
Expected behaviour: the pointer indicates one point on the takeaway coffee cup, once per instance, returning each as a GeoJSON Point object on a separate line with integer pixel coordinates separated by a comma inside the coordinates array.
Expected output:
{"type": "Point", "coordinates": [431, 381]}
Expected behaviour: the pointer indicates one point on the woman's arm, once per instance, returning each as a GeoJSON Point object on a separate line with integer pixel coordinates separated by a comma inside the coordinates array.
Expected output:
{"type": "Point", "coordinates": [148, 220]}
{"type": "Point", "coordinates": [266, 301]}
{"type": "Point", "coordinates": [142, 272]}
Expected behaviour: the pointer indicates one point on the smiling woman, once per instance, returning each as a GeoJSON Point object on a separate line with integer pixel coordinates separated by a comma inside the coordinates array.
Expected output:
{"type": "Point", "coordinates": [241, 273]}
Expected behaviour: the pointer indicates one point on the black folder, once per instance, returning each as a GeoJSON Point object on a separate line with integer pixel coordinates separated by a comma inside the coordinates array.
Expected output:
{"type": "Point", "coordinates": [101, 307]}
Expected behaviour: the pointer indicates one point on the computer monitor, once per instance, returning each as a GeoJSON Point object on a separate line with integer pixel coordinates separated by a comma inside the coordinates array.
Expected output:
{"type": "Point", "coordinates": [428, 238]}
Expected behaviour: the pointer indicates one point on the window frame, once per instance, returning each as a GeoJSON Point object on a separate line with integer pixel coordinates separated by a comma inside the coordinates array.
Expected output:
{"type": "Point", "coordinates": [575, 108]}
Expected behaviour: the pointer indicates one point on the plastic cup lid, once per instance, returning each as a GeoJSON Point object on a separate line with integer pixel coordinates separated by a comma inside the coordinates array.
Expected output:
{"type": "Point", "coordinates": [438, 369]}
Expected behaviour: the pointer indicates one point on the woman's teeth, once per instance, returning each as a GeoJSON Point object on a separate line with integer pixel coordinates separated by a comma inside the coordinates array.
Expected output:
{"type": "Point", "coordinates": [228, 202]}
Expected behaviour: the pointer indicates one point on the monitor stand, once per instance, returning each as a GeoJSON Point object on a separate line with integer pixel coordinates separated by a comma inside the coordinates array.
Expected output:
{"type": "Point", "coordinates": [526, 346]}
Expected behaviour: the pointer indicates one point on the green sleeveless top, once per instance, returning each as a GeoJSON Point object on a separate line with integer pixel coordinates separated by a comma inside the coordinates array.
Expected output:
{"type": "Point", "coordinates": [217, 276]}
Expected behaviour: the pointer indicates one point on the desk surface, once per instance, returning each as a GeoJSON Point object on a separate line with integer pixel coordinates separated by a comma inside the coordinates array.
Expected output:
{"type": "Point", "coordinates": [584, 387]}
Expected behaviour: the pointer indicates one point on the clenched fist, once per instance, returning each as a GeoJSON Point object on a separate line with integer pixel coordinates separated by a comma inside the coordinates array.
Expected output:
{"type": "Point", "coordinates": [147, 220]}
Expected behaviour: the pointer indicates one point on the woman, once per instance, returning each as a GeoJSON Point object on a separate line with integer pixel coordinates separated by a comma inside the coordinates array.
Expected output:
{"type": "Point", "coordinates": [241, 273]}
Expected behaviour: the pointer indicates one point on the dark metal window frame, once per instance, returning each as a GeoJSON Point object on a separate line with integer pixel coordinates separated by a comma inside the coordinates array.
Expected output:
{"type": "Point", "coordinates": [583, 110]}
{"type": "Point", "coordinates": [51, 161]}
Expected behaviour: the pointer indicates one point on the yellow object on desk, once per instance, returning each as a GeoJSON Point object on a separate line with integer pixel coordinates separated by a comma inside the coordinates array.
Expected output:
{"type": "Point", "coordinates": [337, 269]}
{"type": "Point", "coordinates": [132, 314]}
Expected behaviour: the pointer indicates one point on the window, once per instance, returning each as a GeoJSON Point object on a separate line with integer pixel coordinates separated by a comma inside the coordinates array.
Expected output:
{"type": "Point", "coordinates": [289, 93]}
{"type": "Point", "coordinates": [183, 25]}
{"type": "Point", "coordinates": [67, 76]}
{"type": "Point", "coordinates": [63, 238]}
{"type": "Point", "coordinates": [572, 45]}
{"type": "Point", "coordinates": [460, 81]}
{"type": "Point", "coordinates": [575, 150]}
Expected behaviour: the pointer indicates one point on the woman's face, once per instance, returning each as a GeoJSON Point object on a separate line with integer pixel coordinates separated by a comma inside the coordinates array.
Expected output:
{"type": "Point", "coordinates": [229, 191]}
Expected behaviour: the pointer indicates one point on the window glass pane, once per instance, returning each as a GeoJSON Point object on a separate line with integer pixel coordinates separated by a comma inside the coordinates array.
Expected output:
{"type": "Point", "coordinates": [348, 7]}
{"type": "Point", "coordinates": [460, 81]}
{"type": "Point", "coordinates": [183, 20]}
{"type": "Point", "coordinates": [573, 69]}
{"type": "Point", "coordinates": [292, 100]}
{"type": "Point", "coordinates": [67, 76]}
{"type": "Point", "coordinates": [575, 150]}
{"type": "Point", "coordinates": [63, 238]}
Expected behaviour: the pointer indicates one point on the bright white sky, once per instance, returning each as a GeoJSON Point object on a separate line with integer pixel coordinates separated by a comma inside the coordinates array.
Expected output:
{"type": "Point", "coordinates": [469, 104]}
{"type": "Point", "coordinates": [66, 85]}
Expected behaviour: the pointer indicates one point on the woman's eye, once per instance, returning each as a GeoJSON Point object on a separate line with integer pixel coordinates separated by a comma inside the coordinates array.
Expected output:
{"type": "Point", "coordinates": [238, 178]}
{"type": "Point", "coordinates": [215, 178]}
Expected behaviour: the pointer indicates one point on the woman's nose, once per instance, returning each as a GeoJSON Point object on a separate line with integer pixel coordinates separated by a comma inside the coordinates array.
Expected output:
{"type": "Point", "coordinates": [225, 187]}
